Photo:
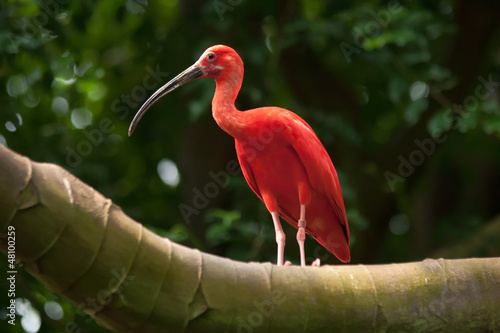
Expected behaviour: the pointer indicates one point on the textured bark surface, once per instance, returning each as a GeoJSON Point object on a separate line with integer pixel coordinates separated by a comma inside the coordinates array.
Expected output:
{"type": "Point", "coordinates": [79, 244]}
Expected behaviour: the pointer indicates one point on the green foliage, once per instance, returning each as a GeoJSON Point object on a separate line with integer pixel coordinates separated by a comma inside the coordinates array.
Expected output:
{"type": "Point", "coordinates": [370, 78]}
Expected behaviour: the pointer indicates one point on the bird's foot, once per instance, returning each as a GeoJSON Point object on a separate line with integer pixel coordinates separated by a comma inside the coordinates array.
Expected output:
{"type": "Point", "coordinates": [315, 263]}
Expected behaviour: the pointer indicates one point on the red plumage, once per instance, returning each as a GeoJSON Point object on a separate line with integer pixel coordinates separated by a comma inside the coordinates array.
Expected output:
{"type": "Point", "coordinates": [282, 159]}
{"type": "Point", "coordinates": [295, 155]}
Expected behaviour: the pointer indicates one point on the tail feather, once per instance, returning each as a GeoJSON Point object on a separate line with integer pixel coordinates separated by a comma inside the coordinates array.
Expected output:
{"type": "Point", "coordinates": [338, 247]}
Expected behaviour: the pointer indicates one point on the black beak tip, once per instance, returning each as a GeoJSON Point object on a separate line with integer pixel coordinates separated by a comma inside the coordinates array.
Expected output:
{"type": "Point", "coordinates": [130, 131]}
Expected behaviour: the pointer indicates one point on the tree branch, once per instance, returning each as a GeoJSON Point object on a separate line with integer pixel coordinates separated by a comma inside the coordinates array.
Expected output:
{"type": "Point", "coordinates": [82, 246]}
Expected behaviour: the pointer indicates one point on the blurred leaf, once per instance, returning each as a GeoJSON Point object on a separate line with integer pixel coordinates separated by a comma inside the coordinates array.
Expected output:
{"type": "Point", "coordinates": [222, 224]}
{"type": "Point", "coordinates": [414, 110]}
{"type": "Point", "coordinates": [397, 87]}
{"type": "Point", "coordinates": [492, 126]}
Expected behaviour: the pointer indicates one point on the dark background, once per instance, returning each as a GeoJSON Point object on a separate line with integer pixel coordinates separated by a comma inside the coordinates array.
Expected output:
{"type": "Point", "coordinates": [395, 91]}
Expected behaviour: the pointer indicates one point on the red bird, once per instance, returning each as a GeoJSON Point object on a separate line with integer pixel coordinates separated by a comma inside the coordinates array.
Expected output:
{"type": "Point", "coordinates": [282, 159]}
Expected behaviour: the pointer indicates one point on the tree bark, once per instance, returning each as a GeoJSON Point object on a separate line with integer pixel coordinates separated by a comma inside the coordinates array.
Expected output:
{"type": "Point", "coordinates": [82, 246]}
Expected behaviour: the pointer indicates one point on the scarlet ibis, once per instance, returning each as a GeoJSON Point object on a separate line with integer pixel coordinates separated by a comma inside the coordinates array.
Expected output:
{"type": "Point", "coordinates": [282, 159]}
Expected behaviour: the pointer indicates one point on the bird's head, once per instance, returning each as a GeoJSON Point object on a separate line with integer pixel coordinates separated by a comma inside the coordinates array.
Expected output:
{"type": "Point", "coordinates": [218, 61]}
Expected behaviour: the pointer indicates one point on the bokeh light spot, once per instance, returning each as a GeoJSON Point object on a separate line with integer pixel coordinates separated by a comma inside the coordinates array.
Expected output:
{"type": "Point", "coordinates": [60, 105]}
{"type": "Point", "coordinates": [168, 172]}
{"type": "Point", "coordinates": [418, 90]}
{"type": "Point", "coordinates": [81, 118]}
{"type": "Point", "coordinates": [17, 85]}
{"type": "Point", "coordinates": [9, 125]}
{"type": "Point", "coordinates": [53, 310]}
{"type": "Point", "coordinates": [399, 224]}
{"type": "Point", "coordinates": [30, 321]}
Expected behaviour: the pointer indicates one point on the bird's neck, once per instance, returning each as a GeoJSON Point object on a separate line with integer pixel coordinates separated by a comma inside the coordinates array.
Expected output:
{"type": "Point", "coordinates": [226, 115]}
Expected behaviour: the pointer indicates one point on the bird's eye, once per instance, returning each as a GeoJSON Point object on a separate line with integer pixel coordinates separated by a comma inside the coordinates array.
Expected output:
{"type": "Point", "coordinates": [210, 56]}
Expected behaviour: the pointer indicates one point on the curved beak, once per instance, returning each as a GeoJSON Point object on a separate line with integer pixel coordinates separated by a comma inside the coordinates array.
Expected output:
{"type": "Point", "coordinates": [190, 74]}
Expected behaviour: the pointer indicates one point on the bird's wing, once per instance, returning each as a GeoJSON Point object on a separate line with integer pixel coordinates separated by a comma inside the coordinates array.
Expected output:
{"type": "Point", "coordinates": [246, 168]}
{"type": "Point", "coordinates": [320, 170]}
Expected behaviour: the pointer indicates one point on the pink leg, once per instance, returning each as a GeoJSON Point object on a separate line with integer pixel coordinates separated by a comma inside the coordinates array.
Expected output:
{"type": "Point", "coordinates": [280, 237]}
{"type": "Point", "coordinates": [301, 234]}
